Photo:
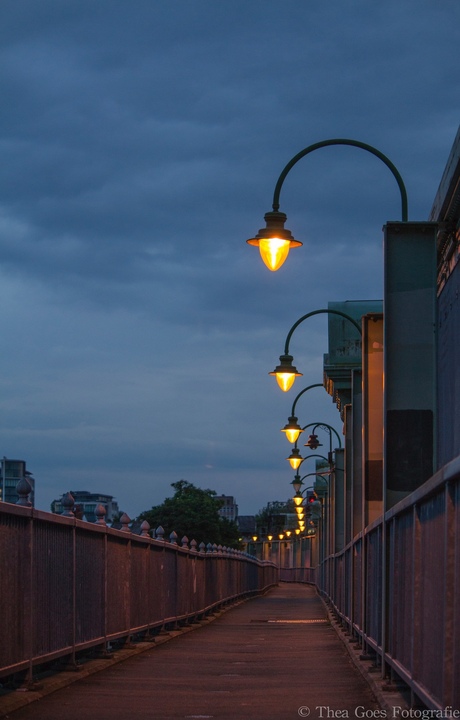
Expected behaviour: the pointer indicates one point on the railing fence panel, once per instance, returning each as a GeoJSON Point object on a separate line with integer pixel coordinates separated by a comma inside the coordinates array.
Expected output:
{"type": "Point", "coordinates": [69, 585]}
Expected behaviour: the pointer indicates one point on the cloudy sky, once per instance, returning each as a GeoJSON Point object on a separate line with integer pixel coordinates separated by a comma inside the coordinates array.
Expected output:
{"type": "Point", "coordinates": [140, 145]}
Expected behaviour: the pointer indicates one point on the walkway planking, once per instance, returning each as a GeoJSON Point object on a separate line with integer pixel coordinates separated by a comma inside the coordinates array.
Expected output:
{"type": "Point", "coordinates": [272, 658]}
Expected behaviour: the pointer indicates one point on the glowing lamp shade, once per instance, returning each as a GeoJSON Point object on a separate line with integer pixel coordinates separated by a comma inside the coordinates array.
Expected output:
{"type": "Point", "coordinates": [285, 373]}
{"type": "Point", "coordinates": [295, 458]}
{"type": "Point", "coordinates": [285, 380]}
{"type": "Point", "coordinates": [274, 252]}
{"type": "Point", "coordinates": [274, 241]}
{"type": "Point", "coordinates": [298, 500]}
{"type": "Point", "coordinates": [300, 516]}
{"type": "Point", "coordinates": [292, 429]}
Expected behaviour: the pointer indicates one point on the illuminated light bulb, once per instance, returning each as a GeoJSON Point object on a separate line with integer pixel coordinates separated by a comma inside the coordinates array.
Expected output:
{"type": "Point", "coordinates": [274, 240]}
{"type": "Point", "coordinates": [285, 372]}
{"type": "Point", "coordinates": [292, 429]}
{"type": "Point", "coordinates": [295, 458]}
{"type": "Point", "coordinates": [274, 252]}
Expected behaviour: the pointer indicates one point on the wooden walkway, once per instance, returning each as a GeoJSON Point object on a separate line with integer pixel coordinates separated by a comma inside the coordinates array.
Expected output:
{"type": "Point", "coordinates": [272, 658]}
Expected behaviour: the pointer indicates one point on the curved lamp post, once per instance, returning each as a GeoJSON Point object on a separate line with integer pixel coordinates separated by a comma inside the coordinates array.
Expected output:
{"type": "Point", "coordinates": [298, 481]}
{"type": "Point", "coordinates": [286, 372]}
{"type": "Point", "coordinates": [313, 443]}
{"type": "Point", "coordinates": [292, 427]}
{"type": "Point", "coordinates": [297, 476]}
{"type": "Point", "coordinates": [274, 241]}
{"type": "Point", "coordinates": [295, 458]}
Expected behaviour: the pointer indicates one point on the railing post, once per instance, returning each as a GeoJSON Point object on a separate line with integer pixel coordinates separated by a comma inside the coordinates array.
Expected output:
{"type": "Point", "coordinates": [145, 529]}
{"type": "Point", "coordinates": [100, 513]}
{"type": "Point", "coordinates": [125, 520]}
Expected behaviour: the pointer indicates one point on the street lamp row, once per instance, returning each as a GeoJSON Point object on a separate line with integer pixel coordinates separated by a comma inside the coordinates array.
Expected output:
{"type": "Point", "coordinates": [274, 243]}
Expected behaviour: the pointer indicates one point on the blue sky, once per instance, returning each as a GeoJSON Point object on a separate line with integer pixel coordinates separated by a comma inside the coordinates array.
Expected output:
{"type": "Point", "coordinates": [140, 147]}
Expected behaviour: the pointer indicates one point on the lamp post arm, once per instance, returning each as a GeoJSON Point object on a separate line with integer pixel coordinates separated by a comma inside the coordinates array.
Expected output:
{"type": "Point", "coordinates": [313, 455]}
{"type": "Point", "coordinates": [325, 425]}
{"type": "Point", "coordinates": [317, 312]}
{"type": "Point", "coordinates": [310, 475]}
{"type": "Point", "coordinates": [353, 143]}
{"type": "Point", "coordinates": [312, 487]}
{"type": "Point", "coordinates": [301, 393]}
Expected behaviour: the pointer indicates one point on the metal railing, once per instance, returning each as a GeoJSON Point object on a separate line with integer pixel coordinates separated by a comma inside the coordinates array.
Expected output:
{"type": "Point", "coordinates": [69, 585]}
{"type": "Point", "coordinates": [397, 588]}
{"type": "Point", "coordinates": [298, 574]}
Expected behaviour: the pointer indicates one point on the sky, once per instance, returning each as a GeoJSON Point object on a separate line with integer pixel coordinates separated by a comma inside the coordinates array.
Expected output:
{"type": "Point", "coordinates": [140, 146]}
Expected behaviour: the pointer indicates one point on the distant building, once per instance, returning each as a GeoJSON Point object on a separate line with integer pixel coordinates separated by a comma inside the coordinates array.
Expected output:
{"type": "Point", "coordinates": [246, 526]}
{"type": "Point", "coordinates": [229, 509]}
{"type": "Point", "coordinates": [12, 471]}
{"type": "Point", "coordinates": [86, 503]}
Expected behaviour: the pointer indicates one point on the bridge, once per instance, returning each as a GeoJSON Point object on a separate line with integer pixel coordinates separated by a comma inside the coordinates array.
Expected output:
{"type": "Point", "coordinates": [365, 607]}
{"type": "Point", "coordinates": [79, 597]}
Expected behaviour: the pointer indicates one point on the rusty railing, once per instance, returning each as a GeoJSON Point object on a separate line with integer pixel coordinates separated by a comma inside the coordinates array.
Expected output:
{"type": "Point", "coordinates": [69, 585]}
{"type": "Point", "coordinates": [396, 587]}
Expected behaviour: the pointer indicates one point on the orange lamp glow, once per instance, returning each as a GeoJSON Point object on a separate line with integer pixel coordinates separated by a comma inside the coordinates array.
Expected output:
{"type": "Point", "coordinates": [292, 429]}
{"type": "Point", "coordinates": [295, 458]}
{"type": "Point", "coordinates": [274, 241]}
{"type": "Point", "coordinates": [285, 372]}
{"type": "Point", "coordinates": [274, 252]}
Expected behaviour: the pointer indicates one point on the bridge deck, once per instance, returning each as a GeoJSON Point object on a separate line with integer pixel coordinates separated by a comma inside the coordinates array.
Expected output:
{"type": "Point", "coordinates": [270, 659]}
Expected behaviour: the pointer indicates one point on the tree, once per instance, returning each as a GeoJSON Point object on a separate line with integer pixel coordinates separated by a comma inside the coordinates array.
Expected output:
{"type": "Point", "coordinates": [192, 512]}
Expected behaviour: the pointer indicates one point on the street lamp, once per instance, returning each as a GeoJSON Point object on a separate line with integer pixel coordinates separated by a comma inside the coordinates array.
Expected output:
{"type": "Point", "coordinates": [314, 505]}
{"type": "Point", "coordinates": [313, 442]}
{"type": "Point", "coordinates": [298, 481]}
{"type": "Point", "coordinates": [292, 427]}
{"type": "Point", "coordinates": [286, 372]}
{"type": "Point", "coordinates": [274, 241]}
{"type": "Point", "coordinates": [295, 458]}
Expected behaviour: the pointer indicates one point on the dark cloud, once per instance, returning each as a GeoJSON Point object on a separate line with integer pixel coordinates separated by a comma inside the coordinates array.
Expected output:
{"type": "Point", "coordinates": [140, 146]}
